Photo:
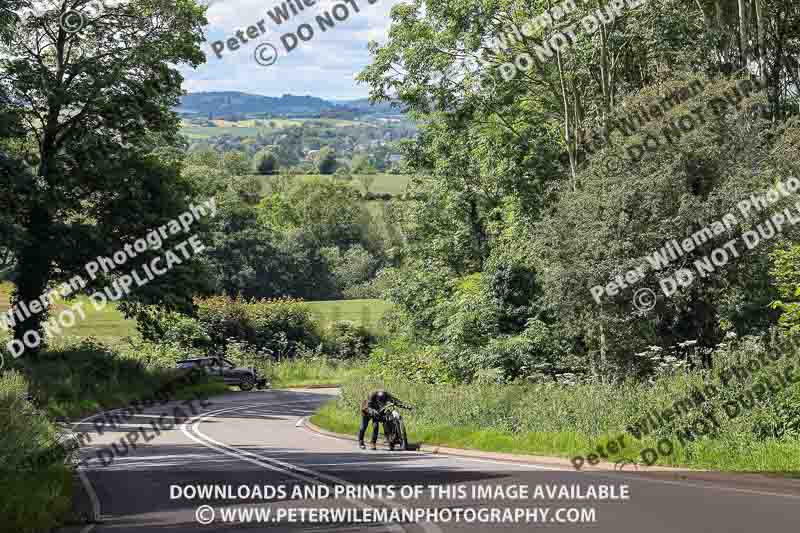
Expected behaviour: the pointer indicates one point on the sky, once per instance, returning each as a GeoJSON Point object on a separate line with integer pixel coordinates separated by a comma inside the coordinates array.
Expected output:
{"type": "Point", "coordinates": [324, 65]}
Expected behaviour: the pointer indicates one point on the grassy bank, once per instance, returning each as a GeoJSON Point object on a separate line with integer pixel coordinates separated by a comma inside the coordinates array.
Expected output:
{"type": "Point", "coordinates": [565, 421]}
{"type": "Point", "coordinates": [107, 325]}
{"type": "Point", "coordinates": [31, 500]}
{"type": "Point", "coordinates": [314, 371]}
{"type": "Point", "coordinates": [74, 380]}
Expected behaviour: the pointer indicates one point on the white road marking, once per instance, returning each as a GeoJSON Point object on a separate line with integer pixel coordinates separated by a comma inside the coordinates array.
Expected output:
{"type": "Point", "coordinates": [301, 473]}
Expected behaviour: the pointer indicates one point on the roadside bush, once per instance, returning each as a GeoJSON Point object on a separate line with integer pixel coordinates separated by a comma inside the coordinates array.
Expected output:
{"type": "Point", "coordinates": [248, 355]}
{"type": "Point", "coordinates": [153, 355]}
{"type": "Point", "coordinates": [280, 326]}
{"type": "Point", "coordinates": [422, 365]}
{"type": "Point", "coordinates": [343, 339]}
{"type": "Point", "coordinates": [185, 332]}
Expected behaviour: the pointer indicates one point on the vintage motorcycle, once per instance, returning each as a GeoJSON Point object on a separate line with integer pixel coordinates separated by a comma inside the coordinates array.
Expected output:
{"type": "Point", "coordinates": [393, 426]}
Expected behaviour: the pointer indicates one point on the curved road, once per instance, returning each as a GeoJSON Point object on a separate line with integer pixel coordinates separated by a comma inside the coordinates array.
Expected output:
{"type": "Point", "coordinates": [256, 441]}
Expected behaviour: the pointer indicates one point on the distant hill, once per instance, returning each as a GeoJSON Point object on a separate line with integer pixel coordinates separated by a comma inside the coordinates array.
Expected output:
{"type": "Point", "coordinates": [363, 104]}
{"type": "Point", "coordinates": [227, 102]}
{"type": "Point", "coordinates": [220, 103]}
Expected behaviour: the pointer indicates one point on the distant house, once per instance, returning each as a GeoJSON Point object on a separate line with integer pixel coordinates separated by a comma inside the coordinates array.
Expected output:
{"type": "Point", "coordinates": [394, 158]}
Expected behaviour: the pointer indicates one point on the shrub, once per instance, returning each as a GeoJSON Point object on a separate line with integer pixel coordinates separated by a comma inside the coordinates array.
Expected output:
{"type": "Point", "coordinates": [266, 163]}
{"type": "Point", "coordinates": [281, 326]}
{"type": "Point", "coordinates": [343, 339]}
{"type": "Point", "coordinates": [185, 332]}
{"type": "Point", "coordinates": [326, 164]}
{"type": "Point", "coordinates": [352, 267]}
{"type": "Point", "coordinates": [399, 360]}
{"type": "Point", "coordinates": [163, 355]}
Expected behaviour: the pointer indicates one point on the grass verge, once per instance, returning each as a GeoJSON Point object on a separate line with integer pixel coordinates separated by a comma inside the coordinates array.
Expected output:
{"type": "Point", "coordinates": [574, 420]}
{"type": "Point", "coordinates": [81, 379]}
{"type": "Point", "coordinates": [30, 500]}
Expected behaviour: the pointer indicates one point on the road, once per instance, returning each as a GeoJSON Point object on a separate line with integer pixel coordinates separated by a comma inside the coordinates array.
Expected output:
{"type": "Point", "coordinates": [256, 441]}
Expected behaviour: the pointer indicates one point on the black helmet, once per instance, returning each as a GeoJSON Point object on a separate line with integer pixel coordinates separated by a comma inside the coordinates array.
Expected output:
{"type": "Point", "coordinates": [380, 396]}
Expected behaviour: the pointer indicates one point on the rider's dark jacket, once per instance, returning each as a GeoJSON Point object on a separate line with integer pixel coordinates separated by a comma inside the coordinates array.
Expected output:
{"type": "Point", "coordinates": [373, 403]}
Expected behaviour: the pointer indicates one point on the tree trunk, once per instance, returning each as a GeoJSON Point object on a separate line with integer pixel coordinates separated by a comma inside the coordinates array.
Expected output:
{"type": "Point", "coordinates": [34, 266]}
{"type": "Point", "coordinates": [743, 48]}
{"type": "Point", "coordinates": [603, 364]}
{"type": "Point", "coordinates": [761, 46]}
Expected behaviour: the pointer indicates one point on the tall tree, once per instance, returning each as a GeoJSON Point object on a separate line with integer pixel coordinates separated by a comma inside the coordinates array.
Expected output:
{"type": "Point", "coordinates": [95, 99]}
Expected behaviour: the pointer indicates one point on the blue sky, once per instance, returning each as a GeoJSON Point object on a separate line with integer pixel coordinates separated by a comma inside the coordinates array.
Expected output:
{"type": "Point", "coordinates": [324, 66]}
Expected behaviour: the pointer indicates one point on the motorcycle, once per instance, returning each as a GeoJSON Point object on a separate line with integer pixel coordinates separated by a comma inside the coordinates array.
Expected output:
{"type": "Point", "coordinates": [393, 427]}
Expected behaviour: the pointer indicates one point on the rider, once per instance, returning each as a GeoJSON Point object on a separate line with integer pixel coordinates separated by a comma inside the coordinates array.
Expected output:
{"type": "Point", "coordinates": [371, 410]}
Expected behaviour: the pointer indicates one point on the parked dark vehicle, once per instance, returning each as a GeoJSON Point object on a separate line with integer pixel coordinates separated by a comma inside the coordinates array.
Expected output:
{"type": "Point", "coordinates": [245, 378]}
{"type": "Point", "coordinates": [393, 426]}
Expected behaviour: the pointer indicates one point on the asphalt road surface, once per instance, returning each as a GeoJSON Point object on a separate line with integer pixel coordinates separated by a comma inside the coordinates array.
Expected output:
{"type": "Point", "coordinates": [255, 446]}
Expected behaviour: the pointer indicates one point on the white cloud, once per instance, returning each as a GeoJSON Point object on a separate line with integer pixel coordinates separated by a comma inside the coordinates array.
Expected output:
{"type": "Point", "coordinates": [324, 66]}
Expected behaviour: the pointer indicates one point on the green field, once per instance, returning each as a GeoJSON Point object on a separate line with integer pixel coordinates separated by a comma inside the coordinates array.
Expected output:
{"type": "Point", "coordinates": [252, 127]}
{"type": "Point", "coordinates": [107, 325]}
{"type": "Point", "coordinates": [111, 327]}
{"type": "Point", "coordinates": [391, 183]}
{"type": "Point", "coordinates": [244, 128]}
{"type": "Point", "coordinates": [367, 313]}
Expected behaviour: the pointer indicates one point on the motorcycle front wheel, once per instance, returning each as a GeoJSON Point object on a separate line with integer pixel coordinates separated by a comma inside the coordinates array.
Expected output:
{"type": "Point", "coordinates": [390, 430]}
{"type": "Point", "coordinates": [401, 432]}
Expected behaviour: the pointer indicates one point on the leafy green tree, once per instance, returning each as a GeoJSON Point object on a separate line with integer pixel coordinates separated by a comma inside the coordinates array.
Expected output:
{"type": "Point", "coordinates": [622, 215]}
{"type": "Point", "coordinates": [289, 150]}
{"type": "Point", "coordinates": [252, 258]}
{"type": "Point", "coordinates": [325, 211]}
{"type": "Point", "coordinates": [236, 163]}
{"type": "Point", "coordinates": [785, 272]}
{"type": "Point", "coordinates": [351, 267]}
{"type": "Point", "coordinates": [361, 165]}
{"type": "Point", "coordinates": [266, 163]}
{"type": "Point", "coordinates": [97, 105]}
{"type": "Point", "coordinates": [205, 156]}
{"type": "Point", "coordinates": [326, 161]}
{"type": "Point", "coordinates": [343, 173]}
